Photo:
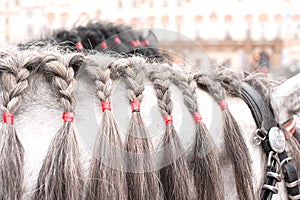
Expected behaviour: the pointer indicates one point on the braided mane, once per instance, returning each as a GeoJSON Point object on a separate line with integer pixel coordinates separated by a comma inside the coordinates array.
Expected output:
{"type": "Point", "coordinates": [117, 168]}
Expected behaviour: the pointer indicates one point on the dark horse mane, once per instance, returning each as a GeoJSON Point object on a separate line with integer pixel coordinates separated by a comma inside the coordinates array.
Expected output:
{"type": "Point", "coordinates": [104, 37]}
{"type": "Point", "coordinates": [88, 48]}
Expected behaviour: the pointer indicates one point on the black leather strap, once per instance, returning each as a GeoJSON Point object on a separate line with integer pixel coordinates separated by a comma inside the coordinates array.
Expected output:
{"type": "Point", "coordinates": [261, 112]}
{"type": "Point", "coordinates": [264, 118]}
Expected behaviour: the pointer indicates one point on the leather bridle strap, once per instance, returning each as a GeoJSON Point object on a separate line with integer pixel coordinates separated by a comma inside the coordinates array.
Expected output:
{"type": "Point", "coordinates": [265, 121]}
{"type": "Point", "coordinates": [261, 112]}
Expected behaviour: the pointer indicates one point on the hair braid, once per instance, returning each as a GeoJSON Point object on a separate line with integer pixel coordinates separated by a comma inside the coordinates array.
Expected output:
{"type": "Point", "coordinates": [60, 176]}
{"type": "Point", "coordinates": [105, 181]}
{"type": "Point", "coordinates": [176, 178]}
{"type": "Point", "coordinates": [14, 78]}
{"type": "Point", "coordinates": [262, 84]}
{"type": "Point", "coordinates": [142, 178]}
{"type": "Point", "coordinates": [234, 141]}
{"type": "Point", "coordinates": [205, 164]}
{"type": "Point", "coordinates": [231, 81]}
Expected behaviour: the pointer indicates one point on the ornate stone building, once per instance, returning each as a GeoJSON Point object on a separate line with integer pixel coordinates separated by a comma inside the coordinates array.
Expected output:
{"type": "Point", "coordinates": [234, 31]}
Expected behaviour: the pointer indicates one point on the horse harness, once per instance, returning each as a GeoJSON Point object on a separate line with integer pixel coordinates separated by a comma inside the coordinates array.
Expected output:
{"type": "Point", "coordinates": [272, 140]}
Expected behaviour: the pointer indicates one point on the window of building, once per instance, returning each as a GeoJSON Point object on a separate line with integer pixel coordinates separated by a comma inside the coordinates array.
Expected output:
{"type": "Point", "coordinates": [296, 24]}
{"type": "Point", "coordinates": [165, 20]}
{"type": "Point", "coordinates": [198, 19]}
{"type": "Point", "coordinates": [98, 14]}
{"type": "Point", "coordinates": [278, 20]}
{"type": "Point", "coordinates": [64, 18]}
{"type": "Point", "coordinates": [134, 21]}
{"type": "Point", "coordinates": [50, 17]}
{"type": "Point", "coordinates": [7, 38]}
{"type": "Point", "coordinates": [120, 3]}
{"type": "Point", "coordinates": [179, 3]}
{"type": "Point", "coordinates": [7, 21]}
{"type": "Point", "coordinates": [151, 3]}
{"type": "Point", "coordinates": [29, 14]}
{"type": "Point", "coordinates": [84, 16]}
{"type": "Point", "coordinates": [134, 3]}
{"type": "Point", "coordinates": [151, 21]}
{"type": "Point", "coordinates": [248, 19]}
{"type": "Point", "coordinates": [119, 21]}
{"type": "Point", "coordinates": [263, 18]}
{"type": "Point", "coordinates": [213, 17]}
{"type": "Point", "coordinates": [165, 3]}
{"type": "Point", "coordinates": [29, 32]}
{"type": "Point", "coordinates": [228, 20]}
{"type": "Point", "coordinates": [179, 21]}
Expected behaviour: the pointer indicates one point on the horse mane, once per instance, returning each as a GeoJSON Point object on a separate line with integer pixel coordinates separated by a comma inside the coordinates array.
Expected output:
{"type": "Point", "coordinates": [141, 174]}
{"type": "Point", "coordinates": [176, 178]}
{"type": "Point", "coordinates": [205, 165]}
{"type": "Point", "coordinates": [234, 142]}
{"type": "Point", "coordinates": [62, 178]}
{"type": "Point", "coordinates": [106, 179]}
{"type": "Point", "coordinates": [102, 37]}
{"type": "Point", "coordinates": [232, 82]}
{"type": "Point", "coordinates": [15, 69]}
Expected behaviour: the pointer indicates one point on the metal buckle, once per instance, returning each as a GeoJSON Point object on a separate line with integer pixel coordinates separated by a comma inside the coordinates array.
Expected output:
{"type": "Point", "coordinates": [260, 135]}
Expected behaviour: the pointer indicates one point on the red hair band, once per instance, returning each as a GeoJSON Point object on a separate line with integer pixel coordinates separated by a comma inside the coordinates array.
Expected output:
{"type": "Point", "coordinates": [138, 43]}
{"type": "Point", "coordinates": [117, 40]}
{"type": "Point", "coordinates": [68, 116]}
{"type": "Point", "coordinates": [197, 117]}
{"type": "Point", "coordinates": [168, 119]}
{"type": "Point", "coordinates": [8, 118]}
{"type": "Point", "coordinates": [290, 126]}
{"type": "Point", "coordinates": [79, 46]}
{"type": "Point", "coordinates": [223, 105]}
{"type": "Point", "coordinates": [145, 43]}
{"type": "Point", "coordinates": [103, 45]}
{"type": "Point", "coordinates": [133, 43]}
{"type": "Point", "coordinates": [135, 105]}
{"type": "Point", "coordinates": [105, 105]}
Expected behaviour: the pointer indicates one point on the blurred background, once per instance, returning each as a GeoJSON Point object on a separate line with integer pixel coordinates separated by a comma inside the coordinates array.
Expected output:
{"type": "Point", "coordinates": [243, 34]}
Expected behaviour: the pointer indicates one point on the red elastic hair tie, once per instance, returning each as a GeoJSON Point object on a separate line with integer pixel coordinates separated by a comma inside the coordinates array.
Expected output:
{"type": "Point", "coordinates": [197, 117]}
{"type": "Point", "coordinates": [138, 43]}
{"type": "Point", "coordinates": [135, 105]}
{"type": "Point", "coordinates": [105, 105]}
{"type": "Point", "coordinates": [68, 116]}
{"type": "Point", "coordinates": [103, 45]}
{"type": "Point", "coordinates": [117, 40]}
{"type": "Point", "coordinates": [145, 43]}
{"type": "Point", "coordinates": [223, 105]}
{"type": "Point", "coordinates": [79, 46]}
{"type": "Point", "coordinates": [8, 118]}
{"type": "Point", "coordinates": [133, 43]}
{"type": "Point", "coordinates": [290, 126]}
{"type": "Point", "coordinates": [168, 119]}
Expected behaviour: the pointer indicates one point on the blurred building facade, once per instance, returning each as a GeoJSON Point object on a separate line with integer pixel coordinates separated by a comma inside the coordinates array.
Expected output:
{"type": "Point", "coordinates": [234, 31]}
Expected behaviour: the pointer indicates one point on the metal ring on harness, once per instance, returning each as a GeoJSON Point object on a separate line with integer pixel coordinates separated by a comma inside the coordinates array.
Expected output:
{"type": "Point", "coordinates": [285, 161]}
{"type": "Point", "coordinates": [274, 175]}
{"type": "Point", "coordinates": [293, 184]}
{"type": "Point", "coordinates": [271, 188]}
{"type": "Point", "coordinates": [296, 197]}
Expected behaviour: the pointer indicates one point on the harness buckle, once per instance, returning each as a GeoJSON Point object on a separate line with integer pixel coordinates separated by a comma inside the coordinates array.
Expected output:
{"type": "Point", "coordinates": [260, 135]}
